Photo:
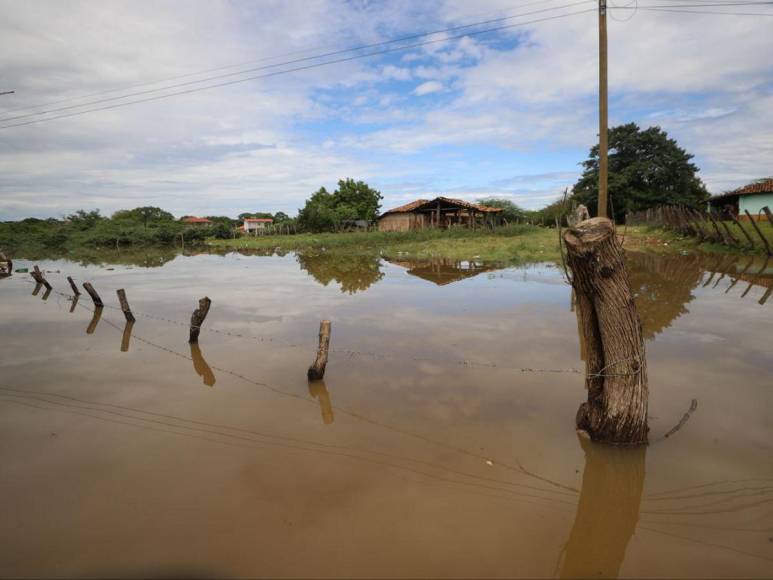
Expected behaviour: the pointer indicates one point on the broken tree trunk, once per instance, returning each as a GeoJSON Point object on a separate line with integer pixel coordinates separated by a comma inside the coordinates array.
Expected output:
{"type": "Point", "coordinates": [611, 334]}
{"type": "Point", "coordinates": [317, 369]}
{"type": "Point", "coordinates": [197, 319]}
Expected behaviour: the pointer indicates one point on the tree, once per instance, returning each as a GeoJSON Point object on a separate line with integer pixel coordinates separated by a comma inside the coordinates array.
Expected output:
{"type": "Point", "coordinates": [352, 200]}
{"type": "Point", "coordinates": [143, 215]}
{"type": "Point", "coordinates": [646, 169]}
{"type": "Point", "coordinates": [255, 215]}
{"type": "Point", "coordinates": [511, 211]}
{"type": "Point", "coordinates": [281, 217]}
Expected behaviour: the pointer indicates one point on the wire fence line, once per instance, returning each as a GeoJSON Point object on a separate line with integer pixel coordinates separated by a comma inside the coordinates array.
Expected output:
{"type": "Point", "coordinates": [350, 353]}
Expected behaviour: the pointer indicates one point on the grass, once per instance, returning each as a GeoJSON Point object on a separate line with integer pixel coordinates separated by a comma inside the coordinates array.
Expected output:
{"type": "Point", "coordinates": [512, 244]}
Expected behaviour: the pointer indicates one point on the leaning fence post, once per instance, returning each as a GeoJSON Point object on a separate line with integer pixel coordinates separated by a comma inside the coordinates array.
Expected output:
{"type": "Point", "coordinates": [197, 319]}
{"type": "Point", "coordinates": [73, 286]}
{"type": "Point", "coordinates": [127, 312]}
{"type": "Point", "coordinates": [93, 293]}
{"type": "Point", "coordinates": [743, 230]}
{"type": "Point", "coordinates": [317, 369]}
{"type": "Point", "coordinates": [769, 215]}
{"type": "Point", "coordinates": [37, 275]}
{"type": "Point", "coordinates": [759, 232]}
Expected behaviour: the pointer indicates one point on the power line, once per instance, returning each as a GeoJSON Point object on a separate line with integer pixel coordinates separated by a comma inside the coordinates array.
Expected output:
{"type": "Point", "coordinates": [270, 58]}
{"type": "Point", "coordinates": [686, 11]}
{"type": "Point", "coordinates": [300, 68]}
{"type": "Point", "coordinates": [289, 62]}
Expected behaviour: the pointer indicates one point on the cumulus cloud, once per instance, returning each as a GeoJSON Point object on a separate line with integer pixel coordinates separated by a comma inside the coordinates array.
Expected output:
{"type": "Point", "coordinates": [428, 88]}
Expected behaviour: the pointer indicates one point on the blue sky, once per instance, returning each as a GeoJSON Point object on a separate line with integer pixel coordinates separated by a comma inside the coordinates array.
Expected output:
{"type": "Point", "coordinates": [510, 113]}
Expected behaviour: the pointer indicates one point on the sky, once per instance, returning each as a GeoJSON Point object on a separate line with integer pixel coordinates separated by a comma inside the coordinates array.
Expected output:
{"type": "Point", "coordinates": [508, 113]}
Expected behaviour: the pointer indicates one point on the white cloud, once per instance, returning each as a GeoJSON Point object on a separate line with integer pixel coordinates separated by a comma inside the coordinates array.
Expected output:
{"type": "Point", "coordinates": [427, 88]}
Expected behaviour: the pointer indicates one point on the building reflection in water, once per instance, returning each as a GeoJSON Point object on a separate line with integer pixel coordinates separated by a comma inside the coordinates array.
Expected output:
{"type": "Point", "coordinates": [608, 510]}
{"type": "Point", "coordinates": [318, 390]}
{"type": "Point", "coordinates": [201, 367]}
{"type": "Point", "coordinates": [443, 271]}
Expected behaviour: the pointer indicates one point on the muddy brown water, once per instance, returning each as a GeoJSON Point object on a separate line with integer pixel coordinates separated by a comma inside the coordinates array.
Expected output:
{"type": "Point", "coordinates": [440, 444]}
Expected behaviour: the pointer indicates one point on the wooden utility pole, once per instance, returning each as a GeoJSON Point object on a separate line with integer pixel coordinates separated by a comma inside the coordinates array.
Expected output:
{"type": "Point", "coordinates": [603, 98]}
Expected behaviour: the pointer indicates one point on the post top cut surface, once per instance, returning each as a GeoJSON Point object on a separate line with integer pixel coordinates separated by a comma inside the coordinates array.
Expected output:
{"type": "Point", "coordinates": [590, 231]}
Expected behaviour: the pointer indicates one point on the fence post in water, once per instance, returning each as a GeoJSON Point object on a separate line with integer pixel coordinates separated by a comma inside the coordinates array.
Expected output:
{"type": "Point", "coordinates": [759, 232]}
{"type": "Point", "coordinates": [197, 319]}
{"type": "Point", "coordinates": [317, 369]}
{"type": "Point", "coordinates": [37, 275]}
{"type": "Point", "coordinates": [743, 230]}
{"type": "Point", "coordinates": [74, 287]}
{"type": "Point", "coordinates": [610, 331]}
{"type": "Point", "coordinates": [127, 312]}
{"type": "Point", "coordinates": [93, 293]}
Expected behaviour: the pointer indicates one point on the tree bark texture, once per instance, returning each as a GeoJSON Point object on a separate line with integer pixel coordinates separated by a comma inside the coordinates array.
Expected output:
{"type": "Point", "coordinates": [94, 296]}
{"type": "Point", "coordinates": [197, 319]}
{"type": "Point", "coordinates": [610, 336]}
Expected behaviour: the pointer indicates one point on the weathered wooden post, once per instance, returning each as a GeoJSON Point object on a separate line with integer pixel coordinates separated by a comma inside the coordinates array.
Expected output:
{"type": "Point", "coordinates": [127, 312]}
{"type": "Point", "coordinates": [759, 232]}
{"type": "Point", "coordinates": [743, 230]}
{"type": "Point", "coordinates": [610, 330]}
{"type": "Point", "coordinates": [197, 319]}
{"type": "Point", "coordinates": [74, 302]}
{"type": "Point", "coordinates": [317, 369]}
{"type": "Point", "coordinates": [93, 293]}
{"type": "Point", "coordinates": [768, 214]}
{"type": "Point", "coordinates": [37, 275]}
{"type": "Point", "coordinates": [74, 287]}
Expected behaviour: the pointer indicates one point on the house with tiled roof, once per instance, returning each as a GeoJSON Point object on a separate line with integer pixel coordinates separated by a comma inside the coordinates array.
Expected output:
{"type": "Point", "coordinates": [441, 212]}
{"type": "Point", "coordinates": [752, 198]}
{"type": "Point", "coordinates": [192, 220]}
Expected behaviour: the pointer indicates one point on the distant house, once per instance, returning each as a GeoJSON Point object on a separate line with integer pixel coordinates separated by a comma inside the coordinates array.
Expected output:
{"type": "Point", "coordinates": [255, 224]}
{"type": "Point", "coordinates": [196, 221]}
{"type": "Point", "coordinates": [441, 212]}
{"type": "Point", "coordinates": [751, 198]}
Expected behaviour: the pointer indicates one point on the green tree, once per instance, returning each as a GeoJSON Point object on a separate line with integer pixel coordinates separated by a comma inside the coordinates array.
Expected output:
{"type": "Point", "coordinates": [646, 169]}
{"type": "Point", "coordinates": [281, 217]}
{"type": "Point", "coordinates": [144, 215]}
{"type": "Point", "coordinates": [255, 215]}
{"type": "Point", "coordinates": [511, 212]}
{"type": "Point", "coordinates": [83, 220]}
{"type": "Point", "coordinates": [352, 200]}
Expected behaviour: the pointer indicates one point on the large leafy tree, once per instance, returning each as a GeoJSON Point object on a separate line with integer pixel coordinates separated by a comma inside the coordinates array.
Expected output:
{"type": "Point", "coordinates": [351, 200]}
{"type": "Point", "coordinates": [646, 169]}
{"type": "Point", "coordinates": [144, 215]}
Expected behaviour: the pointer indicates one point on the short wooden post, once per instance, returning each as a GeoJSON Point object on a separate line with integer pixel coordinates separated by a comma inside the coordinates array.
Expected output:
{"type": "Point", "coordinates": [727, 229]}
{"type": "Point", "coordinates": [769, 215]}
{"type": "Point", "coordinates": [317, 369]}
{"type": "Point", "coordinates": [93, 293]}
{"type": "Point", "coordinates": [74, 302]}
{"type": "Point", "coordinates": [74, 286]}
{"type": "Point", "coordinates": [127, 312]}
{"type": "Point", "coordinates": [37, 275]}
{"type": "Point", "coordinates": [759, 232]}
{"type": "Point", "coordinates": [47, 293]}
{"type": "Point", "coordinates": [197, 319]}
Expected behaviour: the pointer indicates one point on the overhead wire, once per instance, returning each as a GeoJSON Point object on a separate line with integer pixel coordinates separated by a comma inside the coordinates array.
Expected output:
{"type": "Point", "coordinates": [278, 56]}
{"type": "Point", "coordinates": [285, 71]}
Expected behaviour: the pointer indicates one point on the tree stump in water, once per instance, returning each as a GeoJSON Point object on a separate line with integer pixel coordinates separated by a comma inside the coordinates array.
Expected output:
{"type": "Point", "coordinates": [610, 335]}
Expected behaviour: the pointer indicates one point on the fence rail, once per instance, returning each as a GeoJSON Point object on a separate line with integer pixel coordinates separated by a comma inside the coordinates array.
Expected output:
{"type": "Point", "coordinates": [716, 227]}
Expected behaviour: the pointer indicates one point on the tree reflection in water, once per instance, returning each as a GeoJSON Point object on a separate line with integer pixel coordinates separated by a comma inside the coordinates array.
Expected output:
{"type": "Point", "coordinates": [354, 272]}
{"type": "Point", "coordinates": [608, 510]}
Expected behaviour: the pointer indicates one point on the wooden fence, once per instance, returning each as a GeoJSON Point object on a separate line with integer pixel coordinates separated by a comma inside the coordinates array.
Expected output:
{"type": "Point", "coordinates": [720, 228]}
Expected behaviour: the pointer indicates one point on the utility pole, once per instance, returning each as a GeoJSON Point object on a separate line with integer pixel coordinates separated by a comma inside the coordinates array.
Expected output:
{"type": "Point", "coordinates": [603, 145]}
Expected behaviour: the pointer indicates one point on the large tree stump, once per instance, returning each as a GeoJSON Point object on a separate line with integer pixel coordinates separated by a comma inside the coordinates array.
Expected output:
{"type": "Point", "coordinates": [610, 335]}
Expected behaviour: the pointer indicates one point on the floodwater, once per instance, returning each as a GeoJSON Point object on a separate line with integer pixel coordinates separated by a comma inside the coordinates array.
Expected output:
{"type": "Point", "coordinates": [440, 444]}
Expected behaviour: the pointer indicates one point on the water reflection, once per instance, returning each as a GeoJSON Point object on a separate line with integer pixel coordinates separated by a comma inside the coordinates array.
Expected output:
{"type": "Point", "coordinates": [607, 512]}
{"type": "Point", "coordinates": [74, 302]}
{"type": "Point", "coordinates": [127, 335]}
{"type": "Point", "coordinates": [318, 390]}
{"type": "Point", "coordinates": [36, 289]}
{"type": "Point", "coordinates": [94, 320]}
{"type": "Point", "coordinates": [354, 272]}
{"type": "Point", "coordinates": [201, 367]}
{"type": "Point", "coordinates": [443, 271]}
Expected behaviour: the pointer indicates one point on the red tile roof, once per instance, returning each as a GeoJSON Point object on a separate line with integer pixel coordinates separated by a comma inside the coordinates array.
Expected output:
{"type": "Point", "coordinates": [259, 220]}
{"type": "Point", "coordinates": [196, 220]}
{"type": "Point", "coordinates": [409, 207]}
{"type": "Point", "coordinates": [761, 186]}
